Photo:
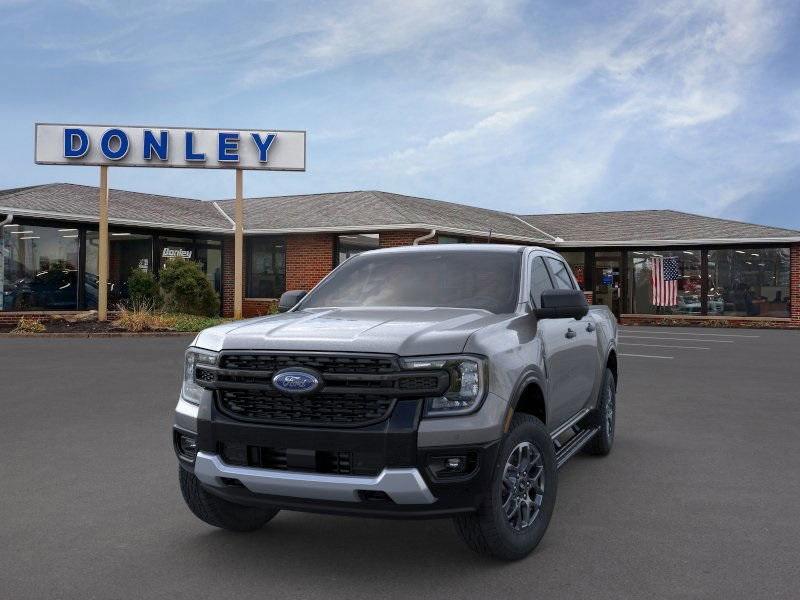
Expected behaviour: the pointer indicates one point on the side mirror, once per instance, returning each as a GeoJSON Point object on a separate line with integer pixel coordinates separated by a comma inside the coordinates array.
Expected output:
{"type": "Point", "coordinates": [290, 299]}
{"type": "Point", "coordinates": [562, 304]}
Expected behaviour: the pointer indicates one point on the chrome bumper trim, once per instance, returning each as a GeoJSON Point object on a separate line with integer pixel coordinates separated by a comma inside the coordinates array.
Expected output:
{"type": "Point", "coordinates": [403, 486]}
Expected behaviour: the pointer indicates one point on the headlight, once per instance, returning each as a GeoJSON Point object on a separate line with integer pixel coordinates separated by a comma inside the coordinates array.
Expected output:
{"type": "Point", "coordinates": [190, 391]}
{"type": "Point", "coordinates": [467, 383]}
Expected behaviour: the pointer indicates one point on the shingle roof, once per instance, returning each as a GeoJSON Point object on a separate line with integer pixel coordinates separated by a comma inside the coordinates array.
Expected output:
{"type": "Point", "coordinates": [650, 225]}
{"type": "Point", "coordinates": [376, 210]}
{"type": "Point", "coordinates": [70, 201]}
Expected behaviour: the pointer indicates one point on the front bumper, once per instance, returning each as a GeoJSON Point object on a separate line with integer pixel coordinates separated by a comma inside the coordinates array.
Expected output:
{"type": "Point", "coordinates": [392, 474]}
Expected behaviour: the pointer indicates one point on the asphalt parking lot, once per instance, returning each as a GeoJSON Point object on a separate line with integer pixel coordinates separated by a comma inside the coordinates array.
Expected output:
{"type": "Point", "coordinates": [698, 500]}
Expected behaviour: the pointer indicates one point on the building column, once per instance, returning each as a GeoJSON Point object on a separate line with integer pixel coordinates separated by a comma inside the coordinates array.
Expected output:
{"type": "Point", "coordinates": [794, 283]}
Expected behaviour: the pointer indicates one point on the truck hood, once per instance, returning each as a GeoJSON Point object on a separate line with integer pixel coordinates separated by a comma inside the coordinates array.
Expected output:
{"type": "Point", "coordinates": [402, 331]}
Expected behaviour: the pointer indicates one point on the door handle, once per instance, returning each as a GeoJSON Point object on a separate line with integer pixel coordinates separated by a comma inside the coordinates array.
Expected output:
{"type": "Point", "coordinates": [590, 327]}
{"type": "Point", "coordinates": [570, 334]}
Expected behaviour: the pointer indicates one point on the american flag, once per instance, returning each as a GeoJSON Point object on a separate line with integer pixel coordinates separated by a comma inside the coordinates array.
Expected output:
{"type": "Point", "coordinates": [664, 279]}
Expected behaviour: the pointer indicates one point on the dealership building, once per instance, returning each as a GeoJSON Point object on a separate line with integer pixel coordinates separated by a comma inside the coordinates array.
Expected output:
{"type": "Point", "coordinates": [719, 271]}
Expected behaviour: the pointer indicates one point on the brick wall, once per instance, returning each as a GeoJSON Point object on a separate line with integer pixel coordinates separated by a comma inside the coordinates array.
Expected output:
{"type": "Point", "coordinates": [309, 257]}
{"type": "Point", "coordinates": [227, 276]}
{"type": "Point", "coordinates": [794, 284]}
{"type": "Point", "coordinates": [258, 308]}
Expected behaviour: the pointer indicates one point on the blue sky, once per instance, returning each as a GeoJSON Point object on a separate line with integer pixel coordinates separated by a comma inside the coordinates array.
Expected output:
{"type": "Point", "coordinates": [521, 106]}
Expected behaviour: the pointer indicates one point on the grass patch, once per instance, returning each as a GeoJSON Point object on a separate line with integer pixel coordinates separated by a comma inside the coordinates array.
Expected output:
{"type": "Point", "coordinates": [189, 323]}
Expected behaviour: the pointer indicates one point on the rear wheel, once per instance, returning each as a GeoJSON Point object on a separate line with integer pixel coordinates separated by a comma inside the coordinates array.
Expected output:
{"type": "Point", "coordinates": [605, 417]}
{"type": "Point", "coordinates": [517, 511]}
{"type": "Point", "coordinates": [218, 512]}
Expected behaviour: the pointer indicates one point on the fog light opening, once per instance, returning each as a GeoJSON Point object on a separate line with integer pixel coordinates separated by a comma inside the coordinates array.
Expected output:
{"type": "Point", "coordinates": [187, 446]}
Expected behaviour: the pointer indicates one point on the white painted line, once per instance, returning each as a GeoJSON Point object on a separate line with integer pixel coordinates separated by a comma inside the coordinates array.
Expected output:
{"type": "Point", "coordinates": [736, 335]}
{"type": "Point", "coordinates": [647, 356]}
{"type": "Point", "coordinates": [654, 337]}
{"type": "Point", "coordinates": [665, 346]}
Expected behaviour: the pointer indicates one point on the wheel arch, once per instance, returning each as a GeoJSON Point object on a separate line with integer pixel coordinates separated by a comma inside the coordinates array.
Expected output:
{"type": "Point", "coordinates": [529, 398]}
{"type": "Point", "coordinates": [613, 365]}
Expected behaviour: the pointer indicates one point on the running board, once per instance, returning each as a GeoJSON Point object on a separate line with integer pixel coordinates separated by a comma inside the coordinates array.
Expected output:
{"type": "Point", "coordinates": [565, 452]}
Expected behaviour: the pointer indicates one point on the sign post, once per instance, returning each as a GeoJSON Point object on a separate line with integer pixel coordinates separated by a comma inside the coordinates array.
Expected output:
{"type": "Point", "coordinates": [103, 253]}
{"type": "Point", "coordinates": [175, 147]}
{"type": "Point", "coordinates": [238, 244]}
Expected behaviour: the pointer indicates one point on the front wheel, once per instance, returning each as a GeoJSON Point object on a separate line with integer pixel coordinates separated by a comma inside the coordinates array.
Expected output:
{"type": "Point", "coordinates": [218, 512]}
{"type": "Point", "coordinates": [517, 509]}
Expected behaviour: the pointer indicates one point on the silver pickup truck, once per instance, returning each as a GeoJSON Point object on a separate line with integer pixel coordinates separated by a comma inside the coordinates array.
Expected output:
{"type": "Point", "coordinates": [426, 381]}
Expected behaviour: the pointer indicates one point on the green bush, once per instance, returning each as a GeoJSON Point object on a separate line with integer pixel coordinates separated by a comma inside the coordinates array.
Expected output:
{"type": "Point", "coordinates": [143, 289]}
{"type": "Point", "coordinates": [186, 289]}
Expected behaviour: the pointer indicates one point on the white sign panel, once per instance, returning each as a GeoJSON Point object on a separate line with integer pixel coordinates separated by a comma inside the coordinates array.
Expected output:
{"type": "Point", "coordinates": [123, 146]}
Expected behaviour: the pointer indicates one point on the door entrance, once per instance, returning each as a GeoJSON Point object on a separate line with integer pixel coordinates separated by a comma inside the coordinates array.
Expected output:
{"type": "Point", "coordinates": [608, 280]}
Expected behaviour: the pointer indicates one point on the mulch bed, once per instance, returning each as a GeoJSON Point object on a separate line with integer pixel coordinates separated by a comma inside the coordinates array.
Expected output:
{"type": "Point", "coordinates": [86, 327]}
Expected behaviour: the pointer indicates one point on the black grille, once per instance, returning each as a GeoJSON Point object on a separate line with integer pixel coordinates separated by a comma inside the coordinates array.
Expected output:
{"type": "Point", "coordinates": [367, 365]}
{"type": "Point", "coordinates": [343, 410]}
{"type": "Point", "coordinates": [336, 462]}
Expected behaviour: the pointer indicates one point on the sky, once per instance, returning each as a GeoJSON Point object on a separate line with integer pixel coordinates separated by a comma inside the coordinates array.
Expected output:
{"type": "Point", "coordinates": [528, 107]}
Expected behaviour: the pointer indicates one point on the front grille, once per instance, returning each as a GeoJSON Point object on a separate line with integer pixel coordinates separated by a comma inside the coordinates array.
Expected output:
{"type": "Point", "coordinates": [356, 390]}
{"type": "Point", "coordinates": [344, 410]}
{"type": "Point", "coordinates": [322, 363]}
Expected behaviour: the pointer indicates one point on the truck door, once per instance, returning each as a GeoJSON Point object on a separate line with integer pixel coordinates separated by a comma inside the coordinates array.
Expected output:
{"type": "Point", "coordinates": [569, 344]}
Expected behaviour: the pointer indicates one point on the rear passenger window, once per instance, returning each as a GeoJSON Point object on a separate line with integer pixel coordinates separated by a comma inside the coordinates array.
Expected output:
{"type": "Point", "coordinates": [540, 280]}
{"type": "Point", "coordinates": [561, 276]}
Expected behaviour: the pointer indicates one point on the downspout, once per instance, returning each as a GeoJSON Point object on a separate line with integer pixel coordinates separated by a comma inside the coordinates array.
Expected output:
{"type": "Point", "coordinates": [425, 237]}
{"type": "Point", "coordinates": [7, 220]}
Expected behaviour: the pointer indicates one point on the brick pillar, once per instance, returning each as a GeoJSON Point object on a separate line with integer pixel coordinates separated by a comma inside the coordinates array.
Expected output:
{"type": "Point", "coordinates": [392, 239]}
{"type": "Point", "coordinates": [227, 276]}
{"type": "Point", "coordinates": [309, 257]}
{"type": "Point", "coordinates": [794, 283]}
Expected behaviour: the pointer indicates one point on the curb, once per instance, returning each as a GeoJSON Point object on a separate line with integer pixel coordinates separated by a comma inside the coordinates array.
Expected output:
{"type": "Point", "coordinates": [103, 334]}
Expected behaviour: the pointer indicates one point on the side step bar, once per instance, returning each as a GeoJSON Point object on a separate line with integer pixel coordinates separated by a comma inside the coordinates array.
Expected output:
{"type": "Point", "coordinates": [568, 450]}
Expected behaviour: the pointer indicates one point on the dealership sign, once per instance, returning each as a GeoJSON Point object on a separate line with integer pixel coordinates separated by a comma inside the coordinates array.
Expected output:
{"type": "Point", "coordinates": [193, 148]}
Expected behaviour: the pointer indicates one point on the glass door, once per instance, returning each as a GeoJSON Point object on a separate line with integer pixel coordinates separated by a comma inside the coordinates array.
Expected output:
{"type": "Point", "coordinates": [607, 278]}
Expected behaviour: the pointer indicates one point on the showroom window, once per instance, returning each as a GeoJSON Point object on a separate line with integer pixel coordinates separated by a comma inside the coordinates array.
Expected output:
{"type": "Point", "coordinates": [266, 267]}
{"type": "Point", "coordinates": [450, 239]}
{"type": "Point", "coordinates": [209, 255]}
{"type": "Point", "coordinates": [665, 282]}
{"type": "Point", "coordinates": [748, 282]}
{"type": "Point", "coordinates": [39, 267]}
{"type": "Point", "coordinates": [128, 252]}
{"type": "Point", "coordinates": [350, 245]}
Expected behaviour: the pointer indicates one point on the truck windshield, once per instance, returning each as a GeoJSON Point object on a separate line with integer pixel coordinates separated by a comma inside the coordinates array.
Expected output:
{"type": "Point", "coordinates": [464, 279]}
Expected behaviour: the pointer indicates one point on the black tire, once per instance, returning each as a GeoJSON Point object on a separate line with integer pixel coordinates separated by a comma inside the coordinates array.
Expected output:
{"type": "Point", "coordinates": [605, 416]}
{"type": "Point", "coordinates": [489, 531]}
{"type": "Point", "coordinates": [218, 512]}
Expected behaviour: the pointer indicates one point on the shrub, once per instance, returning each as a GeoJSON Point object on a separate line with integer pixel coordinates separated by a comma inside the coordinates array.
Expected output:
{"type": "Point", "coordinates": [186, 289]}
{"type": "Point", "coordinates": [143, 289]}
{"type": "Point", "coordinates": [141, 317]}
{"type": "Point", "coordinates": [27, 325]}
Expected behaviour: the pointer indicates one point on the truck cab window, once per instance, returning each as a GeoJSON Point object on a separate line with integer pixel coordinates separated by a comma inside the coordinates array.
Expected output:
{"type": "Point", "coordinates": [561, 276]}
{"type": "Point", "coordinates": [540, 280]}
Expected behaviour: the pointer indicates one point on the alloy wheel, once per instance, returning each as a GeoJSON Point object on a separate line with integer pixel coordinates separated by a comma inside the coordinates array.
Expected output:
{"type": "Point", "coordinates": [522, 486]}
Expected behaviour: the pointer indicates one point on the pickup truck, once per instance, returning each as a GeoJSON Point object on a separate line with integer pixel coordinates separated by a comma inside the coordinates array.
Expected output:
{"type": "Point", "coordinates": [424, 381]}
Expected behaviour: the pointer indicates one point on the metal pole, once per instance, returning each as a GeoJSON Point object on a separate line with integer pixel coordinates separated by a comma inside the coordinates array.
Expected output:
{"type": "Point", "coordinates": [238, 257]}
{"type": "Point", "coordinates": [102, 256]}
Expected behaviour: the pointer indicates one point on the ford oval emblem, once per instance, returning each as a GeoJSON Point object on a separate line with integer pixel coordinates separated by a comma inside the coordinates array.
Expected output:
{"type": "Point", "coordinates": [294, 381]}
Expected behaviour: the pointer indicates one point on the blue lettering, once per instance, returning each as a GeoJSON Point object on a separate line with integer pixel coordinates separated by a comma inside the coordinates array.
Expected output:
{"type": "Point", "coordinates": [70, 137]}
{"type": "Point", "coordinates": [228, 142]}
{"type": "Point", "coordinates": [190, 153]}
{"type": "Point", "coordinates": [263, 145]}
{"type": "Point", "coordinates": [159, 146]}
{"type": "Point", "coordinates": [122, 144]}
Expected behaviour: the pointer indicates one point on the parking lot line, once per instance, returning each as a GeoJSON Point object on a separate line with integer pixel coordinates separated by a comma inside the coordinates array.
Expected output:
{"type": "Point", "coordinates": [655, 337]}
{"type": "Point", "coordinates": [647, 356]}
{"type": "Point", "coordinates": [736, 335]}
{"type": "Point", "coordinates": [666, 346]}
